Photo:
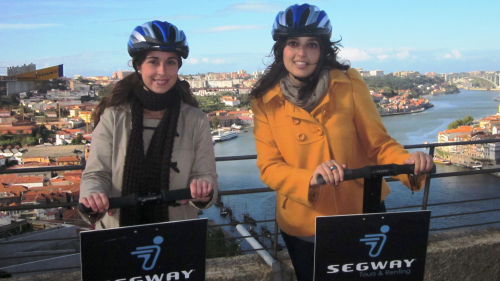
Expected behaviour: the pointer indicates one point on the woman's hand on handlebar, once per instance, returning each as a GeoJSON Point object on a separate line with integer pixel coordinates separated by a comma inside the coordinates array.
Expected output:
{"type": "Point", "coordinates": [200, 190]}
{"type": "Point", "coordinates": [423, 162]}
{"type": "Point", "coordinates": [332, 172]}
{"type": "Point", "coordinates": [98, 202]}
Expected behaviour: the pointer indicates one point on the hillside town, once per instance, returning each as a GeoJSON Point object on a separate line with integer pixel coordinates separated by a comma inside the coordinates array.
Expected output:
{"type": "Point", "coordinates": [61, 119]}
{"type": "Point", "coordinates": [478, 155]}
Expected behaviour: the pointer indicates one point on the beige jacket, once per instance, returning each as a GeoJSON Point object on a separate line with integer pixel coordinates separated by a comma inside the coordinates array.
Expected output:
{"type": "Point", "coordinates": [193, 152]}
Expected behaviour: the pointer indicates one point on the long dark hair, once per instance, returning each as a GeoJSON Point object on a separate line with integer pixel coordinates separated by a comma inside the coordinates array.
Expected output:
{"type": "Point", "coordinates": [120, 92]}
{"type": "Point", "coordinates": [276, 70]}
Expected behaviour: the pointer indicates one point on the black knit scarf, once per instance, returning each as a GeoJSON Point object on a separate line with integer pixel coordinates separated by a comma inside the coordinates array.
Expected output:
{"type": "Point", "coordinates": [150, 171]}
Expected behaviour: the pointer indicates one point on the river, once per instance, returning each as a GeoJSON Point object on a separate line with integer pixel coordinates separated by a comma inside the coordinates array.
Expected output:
{"type": "Point", "coordinates": [406, 129]}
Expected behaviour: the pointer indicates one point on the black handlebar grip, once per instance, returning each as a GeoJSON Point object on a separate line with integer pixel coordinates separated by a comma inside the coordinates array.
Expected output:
{"type": "Point", "coordinates": [403, 169]}
{"type": "Point", "coordinates": [114, 202]}
{"type": "Point", "coordinates": [349, 174]}
{"type": "Point", "coordinates": [177, 194]}
{"type": "Point", "coordinates": [433, 170]}
{"type": "Point", "coordinates": [84, 209]}
{"type": "Point", "coordinates": [364, 172]}
{"type": "Point", "coordinates": [180, 194]}
{"type": "Point", "coordinates": [127, 200]}
{"type": "Point", "coordinates": [409, 169]}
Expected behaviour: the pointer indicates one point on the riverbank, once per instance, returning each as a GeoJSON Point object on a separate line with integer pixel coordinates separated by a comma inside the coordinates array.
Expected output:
{"type": "Point", "coordinates": [482, 89]}
{"type": "Point", "coordinates": [402, 113]}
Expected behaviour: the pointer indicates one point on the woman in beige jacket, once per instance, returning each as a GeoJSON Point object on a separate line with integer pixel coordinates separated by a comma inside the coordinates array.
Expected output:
{"type": "Point", "coordinates": [150, 136]}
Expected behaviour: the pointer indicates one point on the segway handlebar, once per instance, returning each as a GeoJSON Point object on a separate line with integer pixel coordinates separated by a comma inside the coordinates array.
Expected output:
{"type": "Point", "coordinates": [377, 170]}
{"type": "Point", "coordinates": [165, 197]}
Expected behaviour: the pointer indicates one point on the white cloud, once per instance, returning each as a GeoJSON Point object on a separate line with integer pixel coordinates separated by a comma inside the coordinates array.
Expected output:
{"type": "Point", "coordinates": [205, 60]}
{"type": "Point", "coordinates": [456, 53]}
{"type": "Point", "coordinates": [382, 57]}
{"type": "Point", "coordinates": [140, 20]}
{"type": "Point", "coordinates": [192, 61]}
{"type": "Point", "coordinates": [354, 54]}
{"type": "Point", "coordinates": [403, 54]}
{"type": "Point", "coordinates": [231, 28]}
{"type": "Point", "coordinates": [17, 26]}
{"type": "Point", "coordinates": [254, 6]}
{"type": "Point", "coordinates": [219, 61]}
{"type": "Point", "coordinates": [380, 51]}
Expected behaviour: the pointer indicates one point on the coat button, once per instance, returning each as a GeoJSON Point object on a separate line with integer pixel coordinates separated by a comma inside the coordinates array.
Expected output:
{"type": "Point", "coordinates": [319, 131]}
{"type": "Point", "coordinates": [325, 112]}
{"type": "Point", "coordinates": [296, 121]}
{"type": "Point", "coordinates": [301, 137]}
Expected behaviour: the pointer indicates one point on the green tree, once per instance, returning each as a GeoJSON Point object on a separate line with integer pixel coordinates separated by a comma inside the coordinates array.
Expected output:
{"type": "Point", "coordinates": [78, 139]}
{"type": "Point", "coordinates": [461, 122]}
{"type": "Point", "coordinates": [215, 122]}
{"type": "Point", "coordinates": [453, 89]}
{"type": "Point", "coordinates": [244, 100]}
{"type": "Point", "coordinates": [44, 86]}
{"type": "Point", "coordinates": [468, 119]}
{"type": "Point", "coordinates": [388, 92]}
{"type": "Point", "coordinates": [104, 92]}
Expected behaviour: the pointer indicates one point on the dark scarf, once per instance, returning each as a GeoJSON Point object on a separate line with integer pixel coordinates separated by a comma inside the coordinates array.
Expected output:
{"type": "Point", "coordinates": [150, 172]}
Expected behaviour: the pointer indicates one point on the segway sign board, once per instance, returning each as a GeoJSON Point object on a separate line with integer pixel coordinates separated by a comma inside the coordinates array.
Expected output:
{"type": "Point", "coordinates": [160, 251]}
{"type": "Point", "coordinates": [381, 246]}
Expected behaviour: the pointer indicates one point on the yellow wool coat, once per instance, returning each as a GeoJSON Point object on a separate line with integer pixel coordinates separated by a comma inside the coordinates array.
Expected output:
{"type": "Point", "coordinates": [291, 143]}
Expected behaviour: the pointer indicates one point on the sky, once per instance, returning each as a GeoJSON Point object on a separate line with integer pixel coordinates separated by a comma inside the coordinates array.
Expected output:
{"type": "Point", "coordinates": [89, 37]}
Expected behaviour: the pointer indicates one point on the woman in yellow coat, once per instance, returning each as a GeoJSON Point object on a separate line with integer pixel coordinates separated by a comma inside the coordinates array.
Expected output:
{"type": "Point", "coordinates": [314, 116]}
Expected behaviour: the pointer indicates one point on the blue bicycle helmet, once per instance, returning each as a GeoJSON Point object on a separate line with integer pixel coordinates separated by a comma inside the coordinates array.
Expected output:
{"type": "Point", "coordinates": [158, 36]}
{"type": "Point", "coordinates": [301, 21]}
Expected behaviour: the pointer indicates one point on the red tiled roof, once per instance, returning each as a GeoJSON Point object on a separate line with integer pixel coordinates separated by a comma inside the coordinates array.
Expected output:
{"type": "Point", "coordinates": [68, 159]}
{"type": "Point", "coordinates": [461, 129]}
{"type": "Point", "coordinates": [22, 180]}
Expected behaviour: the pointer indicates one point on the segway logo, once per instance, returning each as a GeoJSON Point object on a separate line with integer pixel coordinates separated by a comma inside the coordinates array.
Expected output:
{"type": "Point", "coordinates": [375, 268]}
{"type": "Point", "coordinates": [376, 241]}
{"type": "Point", "coordinates": [149, 253]}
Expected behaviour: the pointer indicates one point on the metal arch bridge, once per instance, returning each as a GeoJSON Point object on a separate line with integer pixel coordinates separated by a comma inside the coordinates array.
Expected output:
{"type": "Point", "coordinates": [492, 78]}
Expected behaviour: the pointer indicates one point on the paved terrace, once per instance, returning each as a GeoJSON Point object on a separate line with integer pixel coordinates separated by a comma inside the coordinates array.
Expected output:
{"type": "Point", "coordinates": [453, 255]}
{"type": "Point", "coordinates": [53, 151]}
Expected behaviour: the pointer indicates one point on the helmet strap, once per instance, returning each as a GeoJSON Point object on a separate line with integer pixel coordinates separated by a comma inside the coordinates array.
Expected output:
{"type": "Point", "coordinates": [142, 81]}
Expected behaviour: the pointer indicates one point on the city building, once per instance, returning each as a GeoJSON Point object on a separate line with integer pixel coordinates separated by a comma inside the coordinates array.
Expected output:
{"type": "Point", "coordinates": [376, 73]}
{"type": "Point", "coordinates": [18, 86]}
{"type": "Point", "coordinates": [121, 74]}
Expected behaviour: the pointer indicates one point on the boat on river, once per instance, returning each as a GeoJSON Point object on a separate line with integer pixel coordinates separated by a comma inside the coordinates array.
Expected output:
{"type": "Point", "coordinates": [236, 127]}
{"type": "Point", "coordinates": [254, 233]}
{"type": "Point", "coordinates": [265, 231]}
{"type": "Point", "coordinates": [224, 211]}
{"type": "Point", "coordinates": [233, 221]}
{"type": "Point", "coordinates": [224, 135]}
{"type": "Point", "coordinates": [441, 161]}
{"type": "Point", "coordinates": [248, 219]}
{"type": "Point", "coordinates": [477, 165]}
{"type": "Point", "coordinates": [219, 203]}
